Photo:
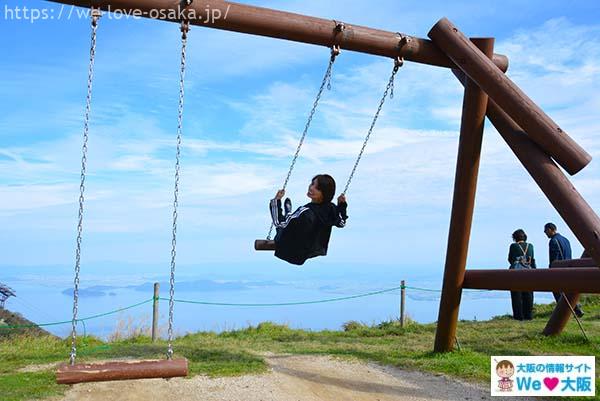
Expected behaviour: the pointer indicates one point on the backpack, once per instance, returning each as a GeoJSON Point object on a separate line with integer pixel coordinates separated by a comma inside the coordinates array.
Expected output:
{"type": "Point", "coordinates": [522, 262]}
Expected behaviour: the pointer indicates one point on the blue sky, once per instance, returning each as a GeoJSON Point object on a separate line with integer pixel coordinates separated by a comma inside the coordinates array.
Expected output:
{"type": "Point", "coordinates": [246, 102]}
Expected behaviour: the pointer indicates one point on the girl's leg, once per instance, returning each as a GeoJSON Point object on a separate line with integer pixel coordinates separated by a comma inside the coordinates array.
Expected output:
{"type": "Point", "coordinates": [278, 231]}
{"type": "Point", "coordinates": [275, 210]}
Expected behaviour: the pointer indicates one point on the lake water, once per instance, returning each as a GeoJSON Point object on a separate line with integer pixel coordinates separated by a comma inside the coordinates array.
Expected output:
{"type": "Point", "coordinates": [45, 296]}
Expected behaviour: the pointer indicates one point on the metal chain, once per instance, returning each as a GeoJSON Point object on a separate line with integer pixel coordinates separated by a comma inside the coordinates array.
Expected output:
{"type": "Point", "coordinates": [388, 89]}
{"type": "Point", "coordinates": [185, 27]}
{"type": "Point", "coordinates": [95, 14]}
{"type": "Point", "coordinates": [335, 51]}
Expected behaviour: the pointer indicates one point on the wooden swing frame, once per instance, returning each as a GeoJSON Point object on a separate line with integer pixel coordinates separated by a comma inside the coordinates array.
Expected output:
{"type": "Point", "coordinates": [537, 141]}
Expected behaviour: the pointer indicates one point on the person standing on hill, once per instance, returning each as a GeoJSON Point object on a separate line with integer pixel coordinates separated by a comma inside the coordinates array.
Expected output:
{"type": "Point", "coordinates": [559, 249]}
{"type": "Point", "coordinates": [521, 256]}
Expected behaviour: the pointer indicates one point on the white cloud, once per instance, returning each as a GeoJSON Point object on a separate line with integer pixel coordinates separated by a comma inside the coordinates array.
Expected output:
{"type": "Point", "coordinates": [238, 144]}
{"type": "Point", "coordinates": [14, 198]}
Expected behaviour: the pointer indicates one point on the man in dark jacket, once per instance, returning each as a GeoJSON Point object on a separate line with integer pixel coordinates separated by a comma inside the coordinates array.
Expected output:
{"type": "Point", "coordinates": [305, 233]}
{"type": "Point", "coordinates": [560, 249]}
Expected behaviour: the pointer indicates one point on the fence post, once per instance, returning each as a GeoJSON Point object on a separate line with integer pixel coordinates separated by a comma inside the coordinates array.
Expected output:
{"type": "Point", "coordinates": [402, 302]}
{"type": "Point", "coordinates": [155, 312]}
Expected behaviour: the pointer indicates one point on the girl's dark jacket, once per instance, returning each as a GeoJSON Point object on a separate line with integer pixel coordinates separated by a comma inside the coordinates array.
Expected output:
{"type": "Point", "coordinates": [305, 233]}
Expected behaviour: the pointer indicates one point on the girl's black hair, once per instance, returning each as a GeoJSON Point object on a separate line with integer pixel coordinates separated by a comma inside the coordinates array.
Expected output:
{"type": "Point", "coordinates": [325, 184]}
{"type": "Point", "coordinates": [519, 235]}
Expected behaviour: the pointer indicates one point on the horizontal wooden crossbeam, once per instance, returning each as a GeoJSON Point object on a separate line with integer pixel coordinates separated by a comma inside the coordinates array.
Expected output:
{"type": "Point", "coordinates": [284, 25]}
{"type": "Point", "coordinates": [583, 262]}
{"type": "Point", "coordinates": [581, 280]}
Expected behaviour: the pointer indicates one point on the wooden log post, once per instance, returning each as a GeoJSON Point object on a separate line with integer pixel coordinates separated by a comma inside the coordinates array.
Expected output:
{"type": "Point", "coordinates": [155, 315]}
{"type": "Point", "coordinates": [402, 302]}
{"type": "Point", "coordinates": [561, 193]}
{"type": "Point", "coordinates": [465, 186]}
{"type": "Point", "coordinates": [506, 94]}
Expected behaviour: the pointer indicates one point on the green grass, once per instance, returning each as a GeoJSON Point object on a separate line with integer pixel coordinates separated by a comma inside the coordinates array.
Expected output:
{"type": "Point", "coordinates": [238, 352]}
{"type": "Point", "coordinates": [27, 386]}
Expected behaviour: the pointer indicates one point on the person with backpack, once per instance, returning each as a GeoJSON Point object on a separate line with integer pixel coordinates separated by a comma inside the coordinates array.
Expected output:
{"type": "Point", "coordinates": [559, 249]}
{"type": "Point", "coordinates": [521, 256]}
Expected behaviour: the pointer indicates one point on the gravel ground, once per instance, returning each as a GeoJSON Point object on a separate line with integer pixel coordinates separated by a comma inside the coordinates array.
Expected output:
{"type": "Point", "coordinates": [292, 378]}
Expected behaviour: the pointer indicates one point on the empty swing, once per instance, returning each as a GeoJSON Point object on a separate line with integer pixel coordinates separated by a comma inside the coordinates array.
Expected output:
{"type": "Point", "coordinates": [72, 373]}
{"type": "Point", "coordinates": [268, 244]}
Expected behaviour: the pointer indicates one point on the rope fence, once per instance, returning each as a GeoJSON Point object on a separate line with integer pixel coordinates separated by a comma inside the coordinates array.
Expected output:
{"type": "Point", "coordinates": [184, 301]}
{"type": "Point", "coordinates": [24, 326]}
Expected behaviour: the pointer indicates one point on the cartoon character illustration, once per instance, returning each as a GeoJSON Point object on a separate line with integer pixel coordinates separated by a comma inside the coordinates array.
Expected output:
{"type": "Point", "coordinates": [505, 369]}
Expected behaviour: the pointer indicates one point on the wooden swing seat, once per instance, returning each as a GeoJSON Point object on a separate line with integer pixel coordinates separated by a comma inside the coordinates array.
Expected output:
{"type": "Point", "coordinates": [264, 245]}
{"type": "Point", "coordinates": [121, 370]}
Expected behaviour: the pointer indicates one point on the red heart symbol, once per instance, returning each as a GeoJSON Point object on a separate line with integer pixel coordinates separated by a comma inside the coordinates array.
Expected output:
{"type": "Point", "coordinates": [551, 382]}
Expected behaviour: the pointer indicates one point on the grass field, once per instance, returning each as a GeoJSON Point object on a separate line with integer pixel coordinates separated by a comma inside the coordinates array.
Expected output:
{"type": "Point", "coordinates": [27, 362]}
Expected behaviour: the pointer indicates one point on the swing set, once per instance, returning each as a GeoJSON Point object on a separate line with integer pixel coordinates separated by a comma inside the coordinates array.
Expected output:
{"type": "Point", "coordinates": [537, 141]}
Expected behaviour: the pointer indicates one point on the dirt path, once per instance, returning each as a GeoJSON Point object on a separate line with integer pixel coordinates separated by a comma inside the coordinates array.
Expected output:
{"type": "Point", "coordinates": [292, 378]}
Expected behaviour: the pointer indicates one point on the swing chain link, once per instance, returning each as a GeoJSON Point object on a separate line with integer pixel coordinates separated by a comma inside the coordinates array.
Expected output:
{"type": "Point", "coordinates": [95, 15]}
{"type": "Point", "coordinates": [398, 62]}
{"type": "Point", "coordinates": [185, 27]}
{"type": "Point", "coordinates": [335, 48]}
{"type": "Point", "coordinates": [335, 51]}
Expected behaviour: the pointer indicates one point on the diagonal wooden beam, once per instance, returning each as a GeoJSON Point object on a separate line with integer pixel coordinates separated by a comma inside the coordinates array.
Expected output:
{"type": "Point", "coordinates": [507, 95]}
{"type": "Point", "coordinates": [568, 202]}
{"type": "Point", "coordinates": [562, 312]}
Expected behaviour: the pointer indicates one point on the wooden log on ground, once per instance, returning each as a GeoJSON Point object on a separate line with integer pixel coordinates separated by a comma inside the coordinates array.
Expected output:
{"type": "Point", "coordinates": [568, 202]}
{"type": "Point", "coordinates": [465, 187]}
{"type": "Point", "coordinates": [509, 97]}
{"type": "Point", "coordinates": [576, 279]}
{"type": "Point", "coordinates": [121, 370]}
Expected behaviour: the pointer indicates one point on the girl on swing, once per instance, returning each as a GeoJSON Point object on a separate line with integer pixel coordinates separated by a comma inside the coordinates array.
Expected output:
{"type": "Point", "coordinates": [305, 233]}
